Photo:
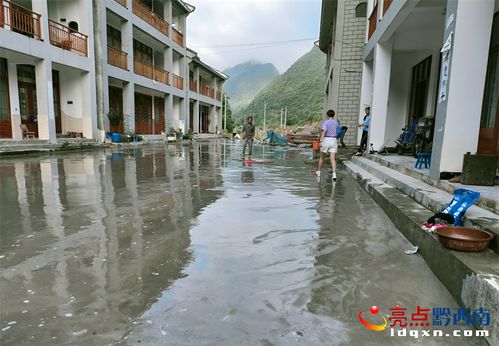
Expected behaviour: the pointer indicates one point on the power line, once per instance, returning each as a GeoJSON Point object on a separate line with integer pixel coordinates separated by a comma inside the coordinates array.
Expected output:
{"type": "Point", "coordinates": [251, 48]}
{"type": "Point", "coordinates": [256, 44]}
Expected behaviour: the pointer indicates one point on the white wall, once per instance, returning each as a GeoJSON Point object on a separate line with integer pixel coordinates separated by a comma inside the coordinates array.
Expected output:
{"type": "Point", "coordinates": [72, 89]}
{"type": "Point", "coordinates": [398, 97]}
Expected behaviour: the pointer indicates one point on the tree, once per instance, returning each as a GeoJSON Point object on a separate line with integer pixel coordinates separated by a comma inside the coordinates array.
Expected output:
{"type": "Point", "coordinates": [230, 121]}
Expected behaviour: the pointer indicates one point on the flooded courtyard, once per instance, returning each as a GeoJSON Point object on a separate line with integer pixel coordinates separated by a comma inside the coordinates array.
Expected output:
{"type": "Point", "coordinates": [175, 245]}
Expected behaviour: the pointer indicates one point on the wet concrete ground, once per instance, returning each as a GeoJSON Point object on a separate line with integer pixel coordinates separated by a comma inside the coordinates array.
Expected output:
{"type": "Point", "coordinates": [190, 246]}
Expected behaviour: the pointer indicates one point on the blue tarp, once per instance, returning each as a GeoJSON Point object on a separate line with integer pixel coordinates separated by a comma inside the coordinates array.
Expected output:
{"type": "Point", "coordinates": [274, 138]}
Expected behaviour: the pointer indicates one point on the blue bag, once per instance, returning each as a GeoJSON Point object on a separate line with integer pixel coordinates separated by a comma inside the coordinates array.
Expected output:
{"type": "Point", "coordinates": [463, 199]}
{"type": "Point", "coordinates": [339, 131]}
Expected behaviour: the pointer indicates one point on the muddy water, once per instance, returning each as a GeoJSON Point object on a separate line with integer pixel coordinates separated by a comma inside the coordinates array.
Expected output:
{"type": "Point", "coordinates": [186, 245]}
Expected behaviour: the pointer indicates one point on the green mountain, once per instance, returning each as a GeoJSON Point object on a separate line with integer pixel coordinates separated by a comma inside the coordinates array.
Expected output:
{"type": "Point", "coordinates": [246, 80]}
{"type": "Point", "coordinates": [300, 89]}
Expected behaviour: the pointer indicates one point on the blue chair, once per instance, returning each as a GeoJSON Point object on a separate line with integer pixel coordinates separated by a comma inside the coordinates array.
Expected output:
{"type": "Point", "coordinates": [423, 159]}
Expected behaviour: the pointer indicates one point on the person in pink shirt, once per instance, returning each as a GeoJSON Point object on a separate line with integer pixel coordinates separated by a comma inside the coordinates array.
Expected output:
{"type": "Point", "coordinates": [329, 142]}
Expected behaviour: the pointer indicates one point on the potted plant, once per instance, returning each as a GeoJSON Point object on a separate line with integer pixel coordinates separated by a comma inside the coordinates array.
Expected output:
{"type": "Point", "coordinates": [171, 136]}
{"type": "Point", "coordinates": [115, 119]}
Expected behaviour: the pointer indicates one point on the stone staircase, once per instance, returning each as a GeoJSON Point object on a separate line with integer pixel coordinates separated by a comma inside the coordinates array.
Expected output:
{"type": "Point", "coordinates": [471, 277]}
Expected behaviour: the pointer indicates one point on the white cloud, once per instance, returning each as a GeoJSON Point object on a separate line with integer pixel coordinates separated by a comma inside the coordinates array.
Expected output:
{"type": "Point", "coordinates": [236, 22]}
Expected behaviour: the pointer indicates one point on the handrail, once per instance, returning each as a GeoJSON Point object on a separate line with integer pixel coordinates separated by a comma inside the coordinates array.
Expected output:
{"type": "Point", "coordinates": [67, 38]}
{"type": "Point", "coordinates": [193, 85]}
{"type": "Point", "coordinates": [142, 11]}
{"type": "Point", "coordinates": [117, 58]}
{"type": "Point", "coordinates": [178, 82]}
{"type": "Point", "coordinates": [178, 37]}
{"type": "Point", "coordinates": [20, 19]}
{"type": "Point", "coordinates": [150, 71]}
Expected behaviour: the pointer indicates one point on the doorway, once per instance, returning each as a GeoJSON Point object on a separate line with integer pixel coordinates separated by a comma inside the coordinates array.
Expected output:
{"type": "Point", "coordinates": [488, 140]}
{"type": "Point", "coordinates": [116, 105]}
{"type": "Point", "coordinates": [143, 114]}
{"type": "Point", "coordinates": [159, 115]}
{"type": "Point", "coordinates": [5, 123]}
{"type": "Point", "coordinates": [27, 97]}
{"type": "Point", "coordinates": [57, 101]}
{"type": "Point", "coordinates": [420, 82]}
{"type": "Point", "coordinates": [205, 119]}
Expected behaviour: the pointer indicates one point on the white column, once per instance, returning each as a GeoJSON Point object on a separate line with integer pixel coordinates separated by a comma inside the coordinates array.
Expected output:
{"type": "Point", "coordinates": [15, 110]}
{"type": "Point", "coordinates": [41, 7]}
{"type": "Point", "coordinates": [184, 113]}
{"type": "Point", "coordinates": [196, 78]}
{"type": "Point", "coordinates": [129, 107]}
{"type": "Point", "coordinates": [195, 116]}
{"type": "Point", "coordinates": [458, 116]}
{"type": "Point", "coordinates": [381, 87]}
{"type": "Point", "coordinates": [45, 100]}
{"type": "Point", "coordinates": [366, 93]}
{"type": "Point", "coordinates": [89, 102]}
{"type": "Point", "coordinates": [169, 111]}
{"type": "Point", "coordinates": [169, 63]}
{"type": "Point", "coordinates": [213, 119]}
{"type": "Point", "coordinates": [126, 42]}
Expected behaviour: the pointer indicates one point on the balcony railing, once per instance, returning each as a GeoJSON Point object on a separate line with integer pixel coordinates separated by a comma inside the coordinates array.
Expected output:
{"type": "Point", "coordinates": [178, 82]}
{"type": "Point", "coordinates": [117, 58]}
{"type": "Point", "coordinates": [206, 90]}
{"type": "Point", "coordinates": [178, 37]}
{"type": "Point", "coordinates": [121, 2]}
{"type": "Point", "coordinates": [218, 95]}
{"type": "Point", "coordinates": [193, 85]}
{"type": "Point", "coordinates": [386, 4]}
{"type": "Point", "coordinates": [19, 19]}
{"type": "Point", "coordinates": [373, 20]}
{"type": "Point", "coordinates": [145, 69]}
{"type": "Point", "coordinates": [66, 38]}
{"type": "Point", "coordinates": [142, 11]}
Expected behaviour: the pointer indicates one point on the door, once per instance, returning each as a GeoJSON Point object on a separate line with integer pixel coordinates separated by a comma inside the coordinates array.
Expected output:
{"type": "Point", "coordinates": [27, 105]}
{"type": "Point", "coordinates": [57, 101]}
{"type": "Point", "coordinates": [419, 90]}
{"type": "Point", "coordinates": [5, 123]}
{"type": "Point", "coordinates": [159, 115]}
{"type": "Point", "coordinates": [143, 114]}
{"type": "Point", "coordinates": [116, 105]}
{"type": "Point", "coordinates": [488, 140]}
{"type": "Point", "coordinates": [205, 120]}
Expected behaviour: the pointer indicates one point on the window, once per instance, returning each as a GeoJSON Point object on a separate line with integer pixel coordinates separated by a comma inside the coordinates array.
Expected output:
{"type": "Point", "coordinates": [113, 37]}
{"type": "Point", "coordinates": [142, 52]}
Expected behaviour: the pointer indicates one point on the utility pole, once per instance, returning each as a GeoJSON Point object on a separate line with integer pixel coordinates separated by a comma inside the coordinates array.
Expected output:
{"type": "Point", "coordinates": [225, 113]}
{"type": "Point", "coordinates": [264, 114]}
{"type": "Point", "coordinates": [285, 116]}
{"type": "Point", "coordinates": [280, 122]}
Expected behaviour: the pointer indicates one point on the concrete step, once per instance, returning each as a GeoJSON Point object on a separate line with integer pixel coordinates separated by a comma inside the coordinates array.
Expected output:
{"type": "Point", "coordinates": [471, 277]}
{"type": "Point", "coordinates": [431, 197]}
{"type": "Point", "coordinates": [484, 201]}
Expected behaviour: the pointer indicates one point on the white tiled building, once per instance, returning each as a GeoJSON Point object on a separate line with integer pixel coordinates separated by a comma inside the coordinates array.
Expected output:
{"type": "Point", "coordinates": [342, 34]}
{"type": "Point", "coordinates": [64, 63]}
{"type": "Point", "coordinates": [434, 58]}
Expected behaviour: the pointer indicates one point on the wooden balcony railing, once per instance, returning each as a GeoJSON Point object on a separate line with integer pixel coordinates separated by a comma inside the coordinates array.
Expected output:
{"type": "Point", "coordinates": [117, 58]}
{"type": "Point", "coordinates": [178, 82]}
{"type": "Point", "coordinates": [373, 20]}
{"type": "Point", "coordinates": [19, 19]}
{"type": "Point", "coordinates": [206, 90]}
{"type": "Point", "coordinates": [193, 85]}
{"type": "Point", "coordinates": [218, 95]}
{"type": "Point", "coordinates": [145, 69]}
{"type": "Point", "coordinates": [386, 4]}
{"type": "Point", "coordinates": [66, 38]}
{"type": "Point", "coordinates": [121, 2]}
{"type": "Point", "coordinates": [178, 37]}
{"type": "Point", "coordinates": [142, 11]}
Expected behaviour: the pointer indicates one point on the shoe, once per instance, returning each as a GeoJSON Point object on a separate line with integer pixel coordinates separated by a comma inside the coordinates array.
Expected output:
{"type": "Point", "coordinates": [318, 173]}
{"type": "Point", "coordinates": [334, 176]}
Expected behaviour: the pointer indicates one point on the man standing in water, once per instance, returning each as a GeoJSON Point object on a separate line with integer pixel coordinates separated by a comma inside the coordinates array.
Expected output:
{"type": "Point", "coordinates": [329, 142]}
{"type": "Point", "coordinates": [248, 135]}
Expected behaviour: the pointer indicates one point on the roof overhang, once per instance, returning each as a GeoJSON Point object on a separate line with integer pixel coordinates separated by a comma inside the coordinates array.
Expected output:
{"type": "Point", "coordinates": [188, 8]}
{"type": "Point", "coordinates": [328, 16]}
{"type": "Point", "coordinates": [193, 55]}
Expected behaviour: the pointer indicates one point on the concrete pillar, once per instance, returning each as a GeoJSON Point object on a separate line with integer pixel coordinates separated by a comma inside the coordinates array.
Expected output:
{"type": "Point", "coordinates": [15, 110]}
{"type": "Point", "coordinates": [460, 109]}
{"type": "Point", "coordinates": [169, 63]}
{"type": "Point", "coordinates": [196, 78]}
{"type": "Point", "coordinates": [169, 111]}
{"type": "Point", "coordinates": [127, 42]}
{"type": "Point", "coordinates": [366, 93]}
{"type": "Point", "coordinates": [213, 119]}
{"type": "Point", "coordinates": [381, 87]}
{"type": "Point", "coordinates": [41, 7]}
{"type": "Point", "coordinates": [45, 100]}
{"type": "Point", "coordinates": [129, 107]}
{"type": "Point", "coordinates": [89, 103]}
{"type": "Point", "coordinates": [168, 12]}
{"type": "Point", "coordinates": [184, 114]}
{"type": "Point", "coordinates": [195, 116]}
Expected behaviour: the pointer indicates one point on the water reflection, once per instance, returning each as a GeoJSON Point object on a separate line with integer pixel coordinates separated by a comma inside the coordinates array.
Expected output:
{"type": "Point", "coordinates": [90, 240]}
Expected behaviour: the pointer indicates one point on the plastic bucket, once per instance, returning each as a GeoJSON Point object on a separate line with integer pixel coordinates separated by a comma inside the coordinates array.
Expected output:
{"type": "Point", "coordinates": [116, 137]}
{"type": "Point", "coordinates": [316, 145]}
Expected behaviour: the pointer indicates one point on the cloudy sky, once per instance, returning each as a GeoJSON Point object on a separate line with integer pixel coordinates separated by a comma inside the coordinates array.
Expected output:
{"type": "Point", "coordinates": [228, 32]}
